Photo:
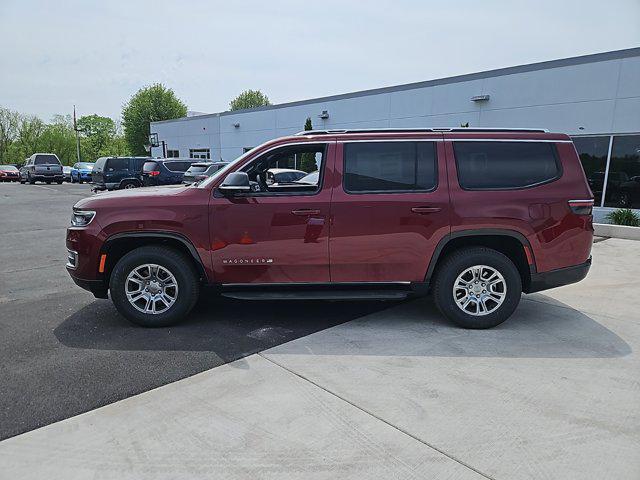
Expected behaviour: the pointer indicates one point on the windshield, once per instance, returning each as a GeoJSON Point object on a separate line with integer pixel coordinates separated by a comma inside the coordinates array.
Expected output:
{"type": "Point", "coordinates": [84, 166]}
{"type": "Point", "coordinates": [8, 168]}
{"type": "Point", "coordinates": [223, 170]}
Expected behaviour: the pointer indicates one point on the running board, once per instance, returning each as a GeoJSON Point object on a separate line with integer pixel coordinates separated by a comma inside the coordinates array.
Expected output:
{"type": "Point", "coordinates": [318, 295]}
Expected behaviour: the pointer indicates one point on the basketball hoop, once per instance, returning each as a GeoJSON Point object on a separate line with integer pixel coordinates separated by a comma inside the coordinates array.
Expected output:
{"type": "Point", "coordinates": [153, 140]}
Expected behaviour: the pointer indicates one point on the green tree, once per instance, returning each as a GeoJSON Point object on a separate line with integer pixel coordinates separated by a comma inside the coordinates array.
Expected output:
{"type": "Point", "coordinates": [97, 134]}
{"type": "Point", "coordinates": [9, 124]}
{"type": "Point", "coordinates": [58, 137]}
{"type": "Point", "coordinates": [249, 99]}
{"type": "Point", "coordinates": [308, 160]}
{"type": "Point", "coordinates": [149, 104]}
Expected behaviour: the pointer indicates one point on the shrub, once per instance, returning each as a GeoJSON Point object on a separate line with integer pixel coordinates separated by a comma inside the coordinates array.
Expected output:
{"type": "Point", "coordinates": [624, 216]}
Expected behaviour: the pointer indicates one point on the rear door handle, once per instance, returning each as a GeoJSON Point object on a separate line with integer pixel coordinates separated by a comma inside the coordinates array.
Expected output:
{"type": "Point", "coordinates": [425, 210]}
{"type": "Point", "coordinates": [305, 212]}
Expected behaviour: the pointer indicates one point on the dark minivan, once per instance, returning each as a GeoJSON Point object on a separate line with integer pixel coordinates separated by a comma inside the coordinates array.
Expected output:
{"type": "Point", "coordinates": [164, 172]}
{"type": "Point", "coordinates": [114, 173]}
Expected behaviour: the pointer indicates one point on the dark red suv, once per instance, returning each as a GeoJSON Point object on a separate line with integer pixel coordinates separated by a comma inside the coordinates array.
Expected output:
{"type": "Point", "coordinates": [477, 216]}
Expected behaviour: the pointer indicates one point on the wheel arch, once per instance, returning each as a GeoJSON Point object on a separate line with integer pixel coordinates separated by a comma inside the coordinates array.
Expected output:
{"type": "Point", "coordinates": [118, 245]}
{"type": "Point", "coordinates": [129, 180]}
{"type": "Point", "coordinates": [511, 243]}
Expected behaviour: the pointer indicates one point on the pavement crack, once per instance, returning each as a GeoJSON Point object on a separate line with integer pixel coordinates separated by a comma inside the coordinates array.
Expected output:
{"type": "Point", "coordinates": [371, 414]}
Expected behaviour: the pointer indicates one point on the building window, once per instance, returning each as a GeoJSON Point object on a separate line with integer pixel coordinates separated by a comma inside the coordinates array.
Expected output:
{"type": "Point", "coordinates": [173, 153]}
{"type": "Point", "coordinates": [200, 153]}
{"type": "Point", "coordinates": [623, 179]}
{"type": "Point", "coordinates": [593, 153]}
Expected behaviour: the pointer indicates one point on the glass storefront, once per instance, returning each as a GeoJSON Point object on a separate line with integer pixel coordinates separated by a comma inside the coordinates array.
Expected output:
{"type": "Point", "coordinates": [623, 174]}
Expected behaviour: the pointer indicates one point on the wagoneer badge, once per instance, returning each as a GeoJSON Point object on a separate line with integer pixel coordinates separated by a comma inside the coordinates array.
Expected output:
{"type": "Point", "coordinates": [246, 261]}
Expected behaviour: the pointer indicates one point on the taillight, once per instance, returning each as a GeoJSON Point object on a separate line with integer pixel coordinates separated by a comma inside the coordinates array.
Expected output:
{"type": "Point", "coordinates": [581, 207]}
{"type": "Point", "coordinates": [154, 173]}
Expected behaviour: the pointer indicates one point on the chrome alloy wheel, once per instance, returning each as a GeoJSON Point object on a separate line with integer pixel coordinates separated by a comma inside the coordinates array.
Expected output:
{"type": "Point", "coordinates": [479, 290]}
{"type": "Point", "coordinates": [151, 288]}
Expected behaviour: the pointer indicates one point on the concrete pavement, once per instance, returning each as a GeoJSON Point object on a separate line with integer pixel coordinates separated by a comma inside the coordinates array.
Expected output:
{"type": "Point", "coordinates": [552, 393]}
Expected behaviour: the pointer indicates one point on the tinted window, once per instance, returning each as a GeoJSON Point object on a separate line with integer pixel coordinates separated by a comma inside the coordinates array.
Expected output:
{"type": "Point", "coordinates": [197, 168]}
{"type": "Point", "coordinates": [8, 168]}
{"type": "Point", "coordinates": [118, 164]}
{"type": "Point", "coordinates": [389, 166]}
{"type": "Point", "coordinates": [178, 166]}
{"type": "Point", "coordinates": [149, 167]}
{"type": "Point", "coordinates": [623, 182]}
{"type": "Point", "coordinates": [504, 165]}
{"type": "Point", "coordinates": [46, 159]}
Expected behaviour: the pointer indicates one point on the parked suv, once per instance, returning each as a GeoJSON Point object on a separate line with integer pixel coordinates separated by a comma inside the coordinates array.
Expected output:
{"type": "Point", "coordinates": [45, 167]}
{"type": "Point", "coordinates": [114, 173]}
{"type": "Point", "coordinates": [475, 216]}
{"type": "Point", "coordinates": [201, 170]}
{"type": "Point", "coordinates": [164, 172]}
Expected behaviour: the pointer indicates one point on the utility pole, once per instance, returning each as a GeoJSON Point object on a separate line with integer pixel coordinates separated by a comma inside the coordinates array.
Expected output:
{"type": "Point", "coordinates": [75, 127]}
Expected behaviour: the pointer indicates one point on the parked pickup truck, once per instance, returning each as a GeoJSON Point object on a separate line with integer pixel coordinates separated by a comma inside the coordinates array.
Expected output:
{"type": "Point", "coordinates": [45, 167]}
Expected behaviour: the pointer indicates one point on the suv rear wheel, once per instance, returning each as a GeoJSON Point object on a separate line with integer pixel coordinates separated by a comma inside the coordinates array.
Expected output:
{"type": "Point", "coordinates": [477, 287]}
{"type": "Point", "coordinates": [154, 286]}
{"type": "Point", "coordinates": [129, 184]}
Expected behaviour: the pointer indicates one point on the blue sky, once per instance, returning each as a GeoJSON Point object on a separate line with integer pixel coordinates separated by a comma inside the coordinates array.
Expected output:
{"type": "Point", "coordinates": [97, 54]}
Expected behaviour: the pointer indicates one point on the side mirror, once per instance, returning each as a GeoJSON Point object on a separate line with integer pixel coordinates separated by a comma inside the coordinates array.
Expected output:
{"type": "Point", "coordinates": [235, 182]}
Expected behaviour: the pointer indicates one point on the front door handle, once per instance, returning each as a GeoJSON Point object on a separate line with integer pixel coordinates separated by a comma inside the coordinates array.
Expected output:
{"type": "Point", "coordinates": [305, 212]}
{"type": "Point", "coordinates": [425, 210]}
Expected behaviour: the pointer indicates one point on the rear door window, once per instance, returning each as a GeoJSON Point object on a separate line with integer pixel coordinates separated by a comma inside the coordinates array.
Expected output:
{"type": "Point", "coordinates": [505, 165]}
{"type": "Point", "coordinates": [388, 167]}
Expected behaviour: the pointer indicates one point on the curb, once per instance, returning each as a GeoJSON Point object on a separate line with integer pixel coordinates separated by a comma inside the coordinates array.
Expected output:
{"type": "Point", "coordinates": [616, 231]}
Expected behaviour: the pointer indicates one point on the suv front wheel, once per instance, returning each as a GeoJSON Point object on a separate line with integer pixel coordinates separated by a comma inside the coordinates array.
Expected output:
{"type": "Point", "coordinates": [154, 286]}
{"type": "Point", "coordinates": [477, 287]}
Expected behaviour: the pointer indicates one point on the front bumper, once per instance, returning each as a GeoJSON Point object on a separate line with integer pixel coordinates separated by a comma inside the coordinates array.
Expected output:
{"type": "Point", "coordinates": [559, 277]}
{"type": "Point", "coordinates": [97, 287]}
{"type": "Point", "coordinates": [83, 246]}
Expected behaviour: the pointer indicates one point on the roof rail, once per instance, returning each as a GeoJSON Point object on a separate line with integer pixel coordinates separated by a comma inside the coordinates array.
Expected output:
{"type": "Point", "coordinates": [433, 129]}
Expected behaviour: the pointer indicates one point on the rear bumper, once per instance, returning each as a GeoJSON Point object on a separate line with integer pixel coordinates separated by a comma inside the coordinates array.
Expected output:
{"type": "Point", "coordinates": [559, 277]}
{"type": "Point", "coordinates": [44, 176]}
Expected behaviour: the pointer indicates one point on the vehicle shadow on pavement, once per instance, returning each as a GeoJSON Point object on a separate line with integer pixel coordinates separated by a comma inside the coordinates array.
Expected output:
{"type": "Point", "coordinates": [230, 328]}
{"type": "Point", "coordinates": [541, 327]}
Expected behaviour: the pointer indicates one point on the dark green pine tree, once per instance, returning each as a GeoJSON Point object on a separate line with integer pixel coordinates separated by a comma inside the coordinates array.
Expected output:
{"type": "Point", "coordinates": [308, 160]}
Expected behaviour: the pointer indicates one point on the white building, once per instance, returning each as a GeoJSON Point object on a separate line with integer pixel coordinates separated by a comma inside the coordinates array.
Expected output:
{"type": "Point", "coordinates": [594, 97]}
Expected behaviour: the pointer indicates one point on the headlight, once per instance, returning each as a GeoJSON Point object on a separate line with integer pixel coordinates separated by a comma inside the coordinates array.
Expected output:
{"type": "Point", "coordinates": [82, 218]}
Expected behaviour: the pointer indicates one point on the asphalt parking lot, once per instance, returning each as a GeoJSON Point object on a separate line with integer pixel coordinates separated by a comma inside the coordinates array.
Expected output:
{"type": "Point", "coordinates": [63, 352]}
{"type": "Point", "coordinates": [311, 390]}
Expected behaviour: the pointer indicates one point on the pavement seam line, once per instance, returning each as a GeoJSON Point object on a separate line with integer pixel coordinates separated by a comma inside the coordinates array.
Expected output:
{"type": "Point", "coordinates": [371, 414]}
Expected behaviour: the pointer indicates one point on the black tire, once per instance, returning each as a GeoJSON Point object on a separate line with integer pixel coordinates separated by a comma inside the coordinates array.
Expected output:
{"type": "Point", "coordinates": [456, 263]}
{"type": "Point", "coordinates": [30, 180]}
{"type": "Point", "coordinates": [178, 264]}
{"type": "Point", "coordinates": [129, 184]}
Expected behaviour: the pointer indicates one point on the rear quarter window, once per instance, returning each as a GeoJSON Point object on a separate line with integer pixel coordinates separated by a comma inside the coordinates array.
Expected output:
{"type": "Point", "coordinates": [118, 164]}
{"type": "Point", "coordinates": [505, 165]}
